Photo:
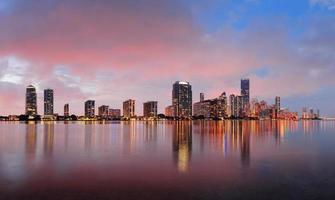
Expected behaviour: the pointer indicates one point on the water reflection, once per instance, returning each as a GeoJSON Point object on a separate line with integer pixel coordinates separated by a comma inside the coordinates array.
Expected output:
{"type": "Point", "coordinates": [182, 144]}
{"type": "Point", "coordinates": [210, 150]}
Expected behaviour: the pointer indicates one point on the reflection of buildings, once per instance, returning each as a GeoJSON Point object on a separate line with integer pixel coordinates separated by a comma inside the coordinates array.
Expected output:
{"type": "Point", "coordinates": [150, 131]}
{"type": "Point", "coordinates": [31, 140]}
{"type": "Point", "coordinates": [49, 129]}
{"type": "Point", "coordinates": [182, 144]}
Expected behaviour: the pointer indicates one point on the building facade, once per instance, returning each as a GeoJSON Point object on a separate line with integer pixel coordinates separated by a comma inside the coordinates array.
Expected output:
{"type": "Point", "coordinates": [31, 101]}
{"type": "Point", "coordinates": [48, 102]}
{"type": "Point", "coordinates": [114, 113]}
{"type": "Point", "coordinates": [182, 99]}
{"type": "Point", "coordinates": [245, 93]}
{"type": "Point", "coordinates": [90, 109]}
{"type": "Point", "coordinates": [236, 106]}
{"type": "Point", "coordinates": [129, 108]}
{"type": "Point", "coordinates": [150, 109]}
{"type": "Point", "coordinates": [211, 108]}
{"type": "Point", "coordinates": [169, 111]}
{"type": "Point", "coordinates": [66, 110]}
{"type": "Point", "coordinates": [103, 111]}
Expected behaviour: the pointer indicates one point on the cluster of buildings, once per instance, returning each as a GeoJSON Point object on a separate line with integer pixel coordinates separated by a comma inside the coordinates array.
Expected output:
{"type": "Point", "coordinates": [234, 106]}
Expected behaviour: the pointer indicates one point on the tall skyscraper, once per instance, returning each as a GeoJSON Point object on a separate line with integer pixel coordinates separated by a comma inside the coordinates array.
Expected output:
{"type": "Point", "coordinates": [236, 105]}
{"type": "Point", "coordinates": [90, 109]}
{"type": "Point", "coordinates": [182, 99]}
{"type": "Point", "coordinates": [245, 92]}
{"type": "Point", "coordinates": [129, 108]}
{"type": "Point", "coordinates": [48, 102]}
{"type": "Point", "coordinates": [66, 110]}
{"type": "Point", "coordinates": [277, 103]}
{"type": "Point", "coordinates": [150, 109]}
{"type": "Point", "coordinates": [31, 101]}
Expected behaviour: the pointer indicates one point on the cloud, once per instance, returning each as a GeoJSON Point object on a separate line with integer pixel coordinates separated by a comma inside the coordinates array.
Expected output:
{"type": "Point", "coordinates": [114, 50]}
{"type": "Point", "coordinates": [330, 4]}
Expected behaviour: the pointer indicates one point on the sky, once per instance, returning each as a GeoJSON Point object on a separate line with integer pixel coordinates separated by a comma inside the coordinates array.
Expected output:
{"type": "Point", "coordinates": [113, 50]}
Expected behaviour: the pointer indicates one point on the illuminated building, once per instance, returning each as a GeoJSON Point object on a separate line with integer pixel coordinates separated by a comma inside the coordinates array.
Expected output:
{"type": "Point", "coordinates": [90, 109]}
{"type": "Point", "coordinates": [182, 99]}
{"type": "Point", "coordinates": [66, 110]}
{"type": "Point", "coordinates": [211, 108]}
{"type": "Point", "coordinates": [277, 103]}
{"type": "Point", "coordinates": [103, 111]}
{"type": "Point", "coordinates": [114, 113]}
{"type": "Point", "coordinates": [150, 109]}
{"type": "Point", "coordinates": [129, 108]}
{"type": "Point", "coordinates": [169, 111]}
{"type": "Point", "coordinates": [31, 101]}
{"type": "Point", "coordinates": [236, 106]}
{"type": "Point", "coordinates": [48, 102]}
{"type": "Point", "coordinates": [245, 92]}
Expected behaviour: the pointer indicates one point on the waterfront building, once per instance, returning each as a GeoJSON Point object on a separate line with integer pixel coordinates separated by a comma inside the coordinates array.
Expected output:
{"type": "Point", "coordinates": [31, 101]}
{"type": "Point", "coordinates": [236, 106]}
{"type": "Point", "coordinates": [48, 102]}
{"type": "Point", "coordinates": [129, 108]}
{"type": "Point", "coordinates": [211, 108]}
{"type": "Point", "coordinates": [182, 99]}
{"type": "Point", "coordinates": [169, 111]}
{"type": "Point", "coordinates": [103, 111]}
{"type": "Point", "coordinates": [245, 92]}
{"type": "Point", "coordinates": [66, 110]}
{"type": "Point", "coordinates": [90, 109]}
{"type": "Point", "coordinates": [114, 113]}
{"type": "Point", "coordinates": [150, 109]}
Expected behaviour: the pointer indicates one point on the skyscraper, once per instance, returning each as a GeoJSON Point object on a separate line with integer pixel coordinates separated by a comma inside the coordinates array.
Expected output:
{"type": "Point", "coordinates": [31, 101]}
{"type": "Point", "coordinates": [150, 109]}
{"type": "Point", "coordinates": [66, 110]}
{"type": "Point", "coordinates": [245, 92]}
{"type": "Point", "coordinates": [48, 102]}
{"type": "Point", "coordinates": [90, 109]}
{"type": "Point", "coordinates": [277, 103]}
{"type": "Point", "coordinates": [182, 99]}
{"type": "Point", "coordinates": [129, 108]}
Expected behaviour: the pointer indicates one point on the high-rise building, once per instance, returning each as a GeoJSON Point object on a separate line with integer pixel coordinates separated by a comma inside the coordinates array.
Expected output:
{"type": "Point", "coordinates": [90, 108]}
{"type": "Point", "coordinates": [114, 113]}
{"type": "Point", "coordinates": [245, 92]}
{"type": "Point", "coordinates": [150, 109]}
{"type": "Point", "coordinates": [129, 108]}
{"type": "Point", "coordinates": [182, 99]}
{"type": "Point", "coordinates": [277, 103]}
{"type": "Point", "coordinates": [211, 108]}
{"type": "Point", "coordinates": [66, 110]}
{"type": "Point", "coordinates": [103, 111]}
{"type": "Point", "coordinates": [31, 101]}
{"type": "Point", "coordinates": [236, 105]}
{"type": "Point", "coordinates": [48, 102]}
{"type": "Point", "coordinates": [202, 97]}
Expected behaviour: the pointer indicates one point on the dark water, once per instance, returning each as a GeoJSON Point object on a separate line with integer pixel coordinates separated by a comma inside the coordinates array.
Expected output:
{"type": "Point", "coordinates": [168, 160]}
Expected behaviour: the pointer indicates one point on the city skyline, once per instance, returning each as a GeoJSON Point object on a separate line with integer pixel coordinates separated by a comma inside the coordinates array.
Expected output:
{"type": "Point", "coordinates": [236, 106]}
{"type": "Point", "coordinates": [81, 51]}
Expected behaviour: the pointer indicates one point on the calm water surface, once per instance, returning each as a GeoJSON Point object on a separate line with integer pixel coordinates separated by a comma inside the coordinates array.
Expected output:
{"type": "Point", "coordinates": [168, 160]}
